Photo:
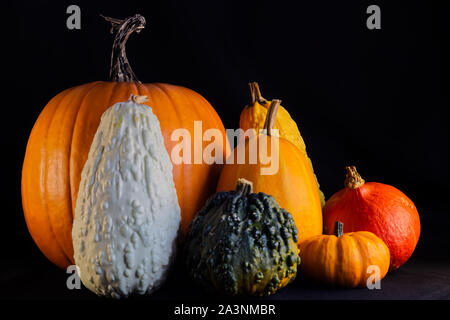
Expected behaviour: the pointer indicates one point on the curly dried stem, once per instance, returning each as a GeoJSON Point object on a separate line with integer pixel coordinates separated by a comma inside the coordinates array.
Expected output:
{"type": "Point", "coordinates": [120, 69]}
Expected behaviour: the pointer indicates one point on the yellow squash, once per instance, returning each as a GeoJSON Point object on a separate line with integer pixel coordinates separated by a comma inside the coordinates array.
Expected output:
{"type": "Point", "coordinates": [292, 185]}
{"type": "Point", "coordinates": [254, 116]}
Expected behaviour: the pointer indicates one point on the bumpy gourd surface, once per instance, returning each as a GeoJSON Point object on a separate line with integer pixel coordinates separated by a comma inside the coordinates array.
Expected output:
{"type": "Point", "coordinates": [127, 214]}
{"type": "Point", "coordinates": [242, 244]}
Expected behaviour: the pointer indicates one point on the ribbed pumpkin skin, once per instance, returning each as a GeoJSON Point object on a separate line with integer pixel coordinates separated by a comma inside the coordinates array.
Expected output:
{"type": "Point", "coordinates": [59, 144]}
{"type": "Point", "coordinates": [254, 117]}
{"type": "Point", "coordinates": [343, 261]}
{"type": "Point", "coordinates": [293, 186]}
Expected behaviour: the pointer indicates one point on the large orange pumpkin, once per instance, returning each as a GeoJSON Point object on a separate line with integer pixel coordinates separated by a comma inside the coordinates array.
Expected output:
{"type": "Point", "coordinates": [293, 185]}
{"type": "Point", "coordinates": [61, 137]}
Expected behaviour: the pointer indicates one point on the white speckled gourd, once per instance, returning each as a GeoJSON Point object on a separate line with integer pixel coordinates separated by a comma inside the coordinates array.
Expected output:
{"type": "Point", "coordinates": [127, 215]}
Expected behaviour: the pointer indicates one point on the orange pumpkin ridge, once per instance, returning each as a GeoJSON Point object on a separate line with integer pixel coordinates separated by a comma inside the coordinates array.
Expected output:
{"type": "Point", "coordinates": [61, 138]}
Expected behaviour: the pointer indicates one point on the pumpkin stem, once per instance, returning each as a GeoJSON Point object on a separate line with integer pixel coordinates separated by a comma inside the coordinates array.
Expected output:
{"type": "Point", "coordinates": [244, 186]}
{"type": "Point", "coordinates": [338, 229]}
{"type": "Point", "coordinates": [255, 93]}
{"type": "Point", "coordinates": [120, 69]}
{"type": "Point", "coordinates": [271, 116]}
{"type": "Point", "coordinates": [352, 178]}
{"type": "Point", "coordinates": [138, 99]}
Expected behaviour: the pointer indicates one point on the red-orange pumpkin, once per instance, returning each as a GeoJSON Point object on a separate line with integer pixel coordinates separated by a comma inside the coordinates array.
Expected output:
{"type": "Point", "coordinates": [61, 137]}
{"type": "Point", "coordinates": [379, 208]}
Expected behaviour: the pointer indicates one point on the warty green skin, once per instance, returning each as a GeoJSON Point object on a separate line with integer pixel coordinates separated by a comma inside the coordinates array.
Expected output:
{"type": "Point", "coordinates": [242, 245]}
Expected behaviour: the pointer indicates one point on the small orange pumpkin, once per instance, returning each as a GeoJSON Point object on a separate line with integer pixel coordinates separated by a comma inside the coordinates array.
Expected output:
{"type": "Point", "coordinates": [293, 185]}
{"type": "Point", "coordinates": [59, 143]}
{"type": "Point", "coordinates": [344, 260]}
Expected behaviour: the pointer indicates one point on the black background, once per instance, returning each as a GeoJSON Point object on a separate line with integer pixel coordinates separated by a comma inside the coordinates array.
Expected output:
{"type": "Point", "coordinates": [377, 99]}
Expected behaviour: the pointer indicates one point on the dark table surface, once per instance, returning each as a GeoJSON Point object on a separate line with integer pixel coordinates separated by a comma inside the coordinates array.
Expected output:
{"type": "Point", "coordinates": [418, 279]}
{"type": "Point", "coordinates": [26, 274]}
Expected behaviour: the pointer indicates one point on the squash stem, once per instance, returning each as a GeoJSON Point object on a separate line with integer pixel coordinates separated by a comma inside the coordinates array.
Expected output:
{"type": "Point", "coordinates": [244, 186]}
{"type": "Point", "coordinates": [255, 93]}
{"type": "Point", "coordinates": [338, 229]}
{"type": "Point", "coordinates": [352, 178]}
{"type": "Point", "coordinates": [252, 94]}
{"type": "Point", "coordinates": [271, 116]}
{"type": "Point", "coordinates": [138, 99]}
{"type": "Point", "coordinates": [120, 70]}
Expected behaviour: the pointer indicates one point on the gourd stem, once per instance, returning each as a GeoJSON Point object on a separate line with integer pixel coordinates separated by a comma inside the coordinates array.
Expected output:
{"type": "Point", "coordinates": [120, 69]}
{"type": "Point", "coordinates": [338, 229]}
{"type": "Point", "coordinates": [252, 94]}
{"type": "Point", "coordinates": [255, 93]}
{"type": "Point", "coordinates": [352, 178]}
{"type": "Point", "coordinates": [138, 99]}
{"type": "Point", "coordinates": [244, 186]}
{"type": "Point", "coordinates": [271, 116]}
